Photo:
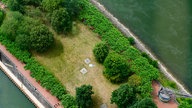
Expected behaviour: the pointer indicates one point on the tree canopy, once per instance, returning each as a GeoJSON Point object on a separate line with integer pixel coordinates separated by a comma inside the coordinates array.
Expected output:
{"type": "Point", "coordinates": [51, 5]}
{"type": "Point", "coordinates": [41, 38]}
{"type": "Point", "coordinates": [101, 51]}
{"type": "Point", "coordinates": [69, 101]}
{"type": "Point", "coordinates": [61, 21]}
{"type": "Point", "coordinates": [116, 68]}
{"type": "Point", "coordinates": [83, 96]}
{"type": "Point", "coordinates": [11, 24]}
{"type": "Point", "coordinates": [124, 96]}
{"type": "Point", "coordinates": [145, 103]}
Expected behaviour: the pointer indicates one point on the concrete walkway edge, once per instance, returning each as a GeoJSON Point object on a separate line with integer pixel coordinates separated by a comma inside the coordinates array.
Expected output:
{"type": "Point", "coordinates": [21, 86]}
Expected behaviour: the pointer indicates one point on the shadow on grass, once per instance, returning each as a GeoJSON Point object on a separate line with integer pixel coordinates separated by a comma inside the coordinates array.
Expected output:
{"type": "Point", "coordinates": [55, 50]}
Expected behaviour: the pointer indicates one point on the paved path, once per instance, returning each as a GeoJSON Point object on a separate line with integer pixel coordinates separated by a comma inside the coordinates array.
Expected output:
{"type": "Point", "coordinates": [159, 103]}
{"type": "Point", "coordinates": [20, 66]}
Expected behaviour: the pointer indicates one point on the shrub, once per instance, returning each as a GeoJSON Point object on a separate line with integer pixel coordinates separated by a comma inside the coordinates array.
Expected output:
{"type": "Point", "coordinates": [61, 21]}
{"type": "Point", "coordinates": [145, 103]}
{"type": "Point", "coordinates": [124, 96]}
{"type": "Point", "coordinates": [184, 102]}
{"type": "Point", "coordinates": [41, 38]}
{"type": "Point", "coordinates": [101, 51]}
{"type": "Point", "coordinates": [69, 101]}
{"type": "Point", "coordinates": [151, 61]}
{"type": "Point", "coordinates": [11, 24]}
{"type": "Point", "coordinates": [134, 80]}
{"type": "Point", "coordinates": [51, 5]}
{"type": "Point", "coordinates": [116, 68]}
{"type": "Point", "coordinates": [131, 53]}
{"type": "Point", "coordinates": [15, 5]}
{"type": "Point", "coordinates": [83, 96]}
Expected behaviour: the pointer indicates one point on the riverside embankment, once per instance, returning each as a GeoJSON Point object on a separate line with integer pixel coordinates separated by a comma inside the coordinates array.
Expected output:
{"type": "Point", "coordinates": [28, 85]}
{"type": "Point", "coordinates": [138, 44]}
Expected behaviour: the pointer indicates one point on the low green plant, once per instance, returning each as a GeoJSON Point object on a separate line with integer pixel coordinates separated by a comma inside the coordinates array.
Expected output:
{"type": "Point", "coordinates": [101, 51]}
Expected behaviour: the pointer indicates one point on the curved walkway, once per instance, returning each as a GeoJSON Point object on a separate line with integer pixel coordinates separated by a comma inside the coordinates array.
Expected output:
{"type": "Point", "coordinates": [20, 66]}
{"type": "Point", "coordinates": [160, 104]}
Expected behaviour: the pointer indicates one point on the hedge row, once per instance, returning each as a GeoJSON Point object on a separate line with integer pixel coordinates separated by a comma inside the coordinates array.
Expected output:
{"type": "Point", "coordinates": [92, 17]}
{"type": "Point", "coordinates": [42, 75]}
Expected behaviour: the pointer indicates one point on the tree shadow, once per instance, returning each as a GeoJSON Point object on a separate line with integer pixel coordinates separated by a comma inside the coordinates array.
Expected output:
{"type": "Point", "coordinates": [55, 50]}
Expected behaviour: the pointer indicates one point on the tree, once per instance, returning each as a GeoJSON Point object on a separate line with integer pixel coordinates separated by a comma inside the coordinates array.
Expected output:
{"type": "Point", "coordinates": [73, 7]}
{"type": "Point", "coordinates": [51, 5]}
{"type": "Point", "coordinates": [61, 21]}
{"type": "Point", "coordinates": [10, 24]}
{"type": "Point", "coordinates": [134, 80]}
{"type": "Point", "coordinates": [83, 96]}
{"type": "Point", "coordinates": [15, 5]}
{"type": "Point", "coordinates": [41, 38]}
{"type": "Point", "coordinates": [23, 41]}
{"type": "Point", "coordinates": [101, 51]}
{"type": "Point", "coordinates": [145, 103]}
{"type": "Point", "coordinates": [116, 68]}
{"type": "Point", "coordinates": [124, 96]}
{"type": "Point", "coordinates": [69, 101]}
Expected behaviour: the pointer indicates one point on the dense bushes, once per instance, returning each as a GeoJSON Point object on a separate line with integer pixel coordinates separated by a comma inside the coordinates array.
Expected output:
{"type": "Point", "coordinates": [69, 101]}
{"type": "Point", "coordinates": [83, 96]}
{"type": "Point", "coordinates": [101, 51]}
{"type": "Point", "coordinates": [11, 24]}
{"type": "Point", "coordinates": [116, 68]}
{"type": "Point", "coordinates": [184, 102]}
{"type": "Point", "coordinates": [117, 42]}
{"type": "Point", "coordinates": [41, 38]}
{"type": "Point", "coordinates": [145, 103]}
{"type": "Point", "coordinates": [124, 96]}
{"type": "Point", "coordinates": [61, 21]}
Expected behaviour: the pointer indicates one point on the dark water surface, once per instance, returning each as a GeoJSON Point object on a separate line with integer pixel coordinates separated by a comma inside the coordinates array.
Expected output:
{"type": "Point", "coordinates": [165, 26]}
{"type": "Point", "coordinates": [11, 96]}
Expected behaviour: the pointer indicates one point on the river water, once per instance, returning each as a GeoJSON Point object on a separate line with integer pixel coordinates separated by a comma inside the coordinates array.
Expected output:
{"type": "Point", "coordinates": [164, 26]}
{"type": "Point", "coordinates": [11, 96]}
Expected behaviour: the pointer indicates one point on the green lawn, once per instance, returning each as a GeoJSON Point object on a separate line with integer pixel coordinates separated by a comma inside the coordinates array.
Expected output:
{"type": "Point", "coordinates": [66, 59]}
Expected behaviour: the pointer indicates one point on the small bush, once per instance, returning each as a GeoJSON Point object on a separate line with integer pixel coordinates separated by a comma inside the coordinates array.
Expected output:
{"type": "Point", "coordinates": [134, 80]}
{"type": "Point", "coordinates": [69, 101]}
{"type": "Point", "coordinates": [151, 61]}
{"type": "Point", "coordinates": [101, 51]}
{"type": "Point", "coordinates": [124, 96]}
{"type": "Point", "coordinates": [116, 68]}
{"type": "Point", "coordinates": [83, 96]}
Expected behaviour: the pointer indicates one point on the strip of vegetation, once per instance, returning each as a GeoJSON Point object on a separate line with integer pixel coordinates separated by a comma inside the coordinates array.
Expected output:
{"type": "Point", "coordinates": [140, 64]}
{"type": "Point", "coordinates": [117, 42]}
